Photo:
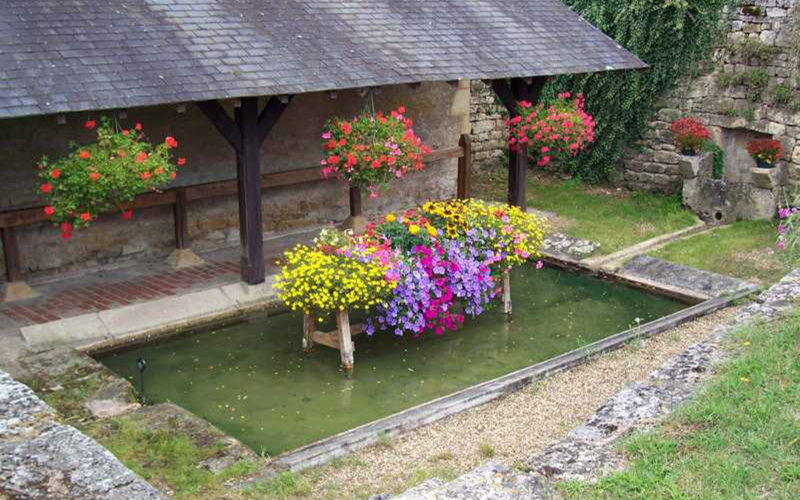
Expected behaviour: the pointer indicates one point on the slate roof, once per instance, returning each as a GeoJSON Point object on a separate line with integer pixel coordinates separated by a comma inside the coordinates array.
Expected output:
{"type": "Point", "coordinates": [73, 55]}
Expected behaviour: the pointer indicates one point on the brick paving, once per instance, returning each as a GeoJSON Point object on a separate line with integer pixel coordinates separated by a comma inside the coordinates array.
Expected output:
{"type": "Point", "coordinates": [141, 281]}
{"type": "Point", "coordinates": [106, 290]}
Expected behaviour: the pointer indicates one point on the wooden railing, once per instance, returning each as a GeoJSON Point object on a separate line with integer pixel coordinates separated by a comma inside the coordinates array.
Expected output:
{"type": "Point", "coordinates": [180, 197]}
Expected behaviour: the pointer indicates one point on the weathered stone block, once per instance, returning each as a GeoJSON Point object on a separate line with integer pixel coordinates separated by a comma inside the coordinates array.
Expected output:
{"type": "Point", "coordinates": [766, 178]}
{"type": "Point", "coordinates": [694, 166]}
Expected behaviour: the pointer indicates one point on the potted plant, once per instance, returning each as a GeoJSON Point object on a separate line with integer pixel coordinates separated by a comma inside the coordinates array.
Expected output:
{"type": "Point", "coordinates": [766, 152]}
{"type": "Point", "coordinates": [690, 136]}
{"type": "Point", "coordinates": [369, 151]}
{"type": "Point", "coordinates": [554, 131]}
{"type": "Point", "coordinates": [104, 175]}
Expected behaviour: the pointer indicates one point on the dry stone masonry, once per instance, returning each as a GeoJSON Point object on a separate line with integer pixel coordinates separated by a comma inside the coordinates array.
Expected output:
{"type": "Point", "coordinates": [747, 91]}
{"type": "Point", "coordinates": [41, 458]}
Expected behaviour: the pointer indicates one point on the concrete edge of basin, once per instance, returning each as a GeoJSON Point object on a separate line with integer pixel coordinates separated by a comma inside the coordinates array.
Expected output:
{"type": "Point", "coordinates": [339, 445]}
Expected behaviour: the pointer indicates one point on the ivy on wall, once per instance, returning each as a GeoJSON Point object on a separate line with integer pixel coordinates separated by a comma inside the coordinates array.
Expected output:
{"type": "Point", "coordinates": [672, 36]}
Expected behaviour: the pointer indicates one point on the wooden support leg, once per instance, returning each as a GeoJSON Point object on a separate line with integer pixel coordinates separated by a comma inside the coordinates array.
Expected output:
{"type": "Point", "coordinates": [507, 294]}
{"type": "Point", "coordinates": [15, 288]}
{"type": "Point", "coordinates": [345, 340]}
{"type": "Point", "coordinates": [309, 327]}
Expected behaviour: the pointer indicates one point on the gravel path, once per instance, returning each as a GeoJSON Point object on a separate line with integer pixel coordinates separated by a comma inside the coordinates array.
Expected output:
{"type": "Point", "coordinates": [509, 430]}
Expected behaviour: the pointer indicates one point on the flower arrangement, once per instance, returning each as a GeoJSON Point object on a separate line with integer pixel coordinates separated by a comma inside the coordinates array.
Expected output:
{"type": "Point", "coordinates": [324, 278]}
{"type": "Point", "coordinates": [423, 270]}
{"type": "Point", "coordinates": [556, 131]}
{"type": "Point", "coordinates": [506, 234]}
{"type": "Point", "coordinates": [370, 150]}
{"type": "Point", "coordinates": [690, 135]}
{"type": "Point", "coordinates": [766, 152]}
{"type": "Point", "coordinates": [101, 176]}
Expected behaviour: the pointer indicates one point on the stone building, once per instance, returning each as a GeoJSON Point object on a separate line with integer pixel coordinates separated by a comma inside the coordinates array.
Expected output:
{"type": "Point", "coordinates": [182, 68]}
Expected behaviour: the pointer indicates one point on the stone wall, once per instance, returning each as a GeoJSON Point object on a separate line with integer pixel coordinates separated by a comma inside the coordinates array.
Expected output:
{"type": "Point", "coordinates": [747, 91]}
{"type": "Point", "coordinates": [487, 117]}
{"type": "Point", "coordinates": [440, 113]}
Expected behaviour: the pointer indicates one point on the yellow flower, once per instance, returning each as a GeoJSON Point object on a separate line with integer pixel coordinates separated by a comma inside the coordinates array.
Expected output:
{"type": "Point", "coordinates": [390, 217]}
{"type": "Point", "coordinates": [431, 230]}
{"type": "Point", "coordinates": [413, 229]}
{"type": "Point", "coordinates": [744, 379]}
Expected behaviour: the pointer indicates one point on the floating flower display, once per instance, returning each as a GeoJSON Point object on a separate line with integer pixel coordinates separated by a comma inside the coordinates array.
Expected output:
{"type": "Point", "coordinates": [422, 270]}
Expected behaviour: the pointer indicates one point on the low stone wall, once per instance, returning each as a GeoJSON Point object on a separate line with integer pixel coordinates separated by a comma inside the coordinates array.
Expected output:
{"type": "Point", "coordinates": [43, 459]}
{"type": "Point", "coordinates": [487, 119]}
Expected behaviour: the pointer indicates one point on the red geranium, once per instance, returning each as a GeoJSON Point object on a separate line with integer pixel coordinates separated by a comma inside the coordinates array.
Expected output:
{"type": "Point", "coordinates": [690, 135]}
{"type": "Point", "coordinates": [90, 124]}
{"type": "Point", "coordinates": [556, 131]}
{"type": "Point", "coordinates": [370, 150]}
{"type": "Point", "coordinates": [127, 165]}
{"type": "Point", "coordinates": [766, 150]}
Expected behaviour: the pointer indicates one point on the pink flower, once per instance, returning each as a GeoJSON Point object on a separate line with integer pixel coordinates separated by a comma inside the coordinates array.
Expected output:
{"type": "Point", "coordinates": [539, 264]}
{"type": "Point", "coordinates": [327, 136]}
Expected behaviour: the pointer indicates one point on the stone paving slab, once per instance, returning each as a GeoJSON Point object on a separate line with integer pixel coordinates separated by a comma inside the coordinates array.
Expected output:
{"type": "Point", "coordinates": [43, 459]}
{"type": "Point", "coordinates": [589, 450]}
{"type": "Point", "coordinates": [683, 277]}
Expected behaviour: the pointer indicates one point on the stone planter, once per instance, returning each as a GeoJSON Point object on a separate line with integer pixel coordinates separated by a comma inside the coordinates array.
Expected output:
{"type": "Point", "coordinates": [696, 166]}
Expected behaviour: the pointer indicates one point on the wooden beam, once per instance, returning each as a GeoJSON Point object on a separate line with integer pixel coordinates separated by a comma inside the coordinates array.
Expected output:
{"type": "Point", "coordinates": [27, 216]}
{"type": "Point", "coordinates": [219, 118]}
{"type": "Point", "coordinates": [271, 114]}
{"type": "Point", "coordinates": [180, 219]}
{"type": "Point", "coordinates": [464, 168]}
{"type": "Point", "coordinates": [249, 177]}
{"type": "Point", "coordinates": [11, 254]}
{"type": "Point", "coordinates": [503, 92]}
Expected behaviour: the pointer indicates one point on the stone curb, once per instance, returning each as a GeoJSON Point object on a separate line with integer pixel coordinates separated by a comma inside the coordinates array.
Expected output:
{"type": "Point", "coordinates": [589, 450]}
{"type": "Point", "coordinates": [124, 325]}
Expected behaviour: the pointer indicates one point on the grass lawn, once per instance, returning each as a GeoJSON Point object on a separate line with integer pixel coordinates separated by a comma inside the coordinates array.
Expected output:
{"type": "Point", "coordinates": [745, 249]}
{"type": "Point", "coordinates": [739, 439]}
{"type": "Point", "coordinates": [614, 218]}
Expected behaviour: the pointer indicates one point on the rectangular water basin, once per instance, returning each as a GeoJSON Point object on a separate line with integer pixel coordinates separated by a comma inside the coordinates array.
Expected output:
{"type": "Point", "coordinates": [252, 380]}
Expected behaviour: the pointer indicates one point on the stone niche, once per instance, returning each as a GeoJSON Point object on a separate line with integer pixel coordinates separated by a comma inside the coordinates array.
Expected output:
{"type": "Point", "coordinates": [744, 191]}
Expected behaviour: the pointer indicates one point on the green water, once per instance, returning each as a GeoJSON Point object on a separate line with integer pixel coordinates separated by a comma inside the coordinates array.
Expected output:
{"type": "Point", "coordinates": [252, 380]}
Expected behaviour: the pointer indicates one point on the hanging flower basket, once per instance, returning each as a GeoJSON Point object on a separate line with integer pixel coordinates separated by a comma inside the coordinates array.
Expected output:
{"type": "Point", "coordinates": [102, 176]}
{"type": "Point", "coordinates": [370, 151]}
{"type": "Point", "coordinates": [553, 132]}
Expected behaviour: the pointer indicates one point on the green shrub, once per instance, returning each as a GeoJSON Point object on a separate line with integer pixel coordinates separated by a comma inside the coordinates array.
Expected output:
{"type": "Point", "coordinates": [673, 37]}
{"type": "Point", "coordinates": [782, 94]}
{"type": "Point", "coordinates": [754, 49]}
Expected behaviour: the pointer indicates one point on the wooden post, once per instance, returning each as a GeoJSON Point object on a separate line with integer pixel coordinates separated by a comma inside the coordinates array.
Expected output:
{"type": "Point", "coordinates": [245, 134]}
{"type": "Point", "coordinates": [517, 176]}
{"type": "Point", "coordinates": [357, 222]}
{"type": "Point", "coordinates": [11, 254]}
{"type": "Point", "coordinates": [252, 259]}
{"type": "Point", "coordinates": [15, 288]}
{"type": "Point", "coordinates": [181, 220]}
{"type": "Point", "coordinates": [355, 202]}
{"type": "Point", "coordinates": [510, 92]}
{"type": "Point", "coordinates": [507, 294]}
{"type": "Point", "coordinates": [309, 327]}
{"type": "Point", "coordinates": [465, 168]}
{"type": "Point", "coordinates": [345, 340]}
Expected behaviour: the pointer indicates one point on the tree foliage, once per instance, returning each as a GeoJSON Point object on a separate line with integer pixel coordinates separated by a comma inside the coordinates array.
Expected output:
{"type": "Point", "coordinates": [672, 36]}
